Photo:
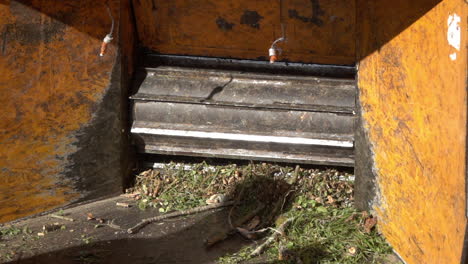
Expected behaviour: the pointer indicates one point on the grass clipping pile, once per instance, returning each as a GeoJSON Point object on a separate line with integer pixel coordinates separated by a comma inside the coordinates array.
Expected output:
{"type": "Point", "coordinates": [293, 215]}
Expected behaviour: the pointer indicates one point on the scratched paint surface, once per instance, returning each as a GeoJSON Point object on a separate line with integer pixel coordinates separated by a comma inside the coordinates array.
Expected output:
{"type": "Point", "coordinates": [414, 100]}
{"type": "Point", "coordinates": [50, 82]}
{"type": "Point", "coordinates": [320, 31]}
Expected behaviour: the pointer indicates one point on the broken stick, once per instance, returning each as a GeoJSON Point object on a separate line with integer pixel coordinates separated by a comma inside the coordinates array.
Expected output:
{"type": "Point", "coordinates": [62, 217]}
{"type": "Point", "coordinates": [196, 210]}
{"type": "Point", "coordinates": [259, 250]}
{"type": "Point", "coordinates": [218, 237]}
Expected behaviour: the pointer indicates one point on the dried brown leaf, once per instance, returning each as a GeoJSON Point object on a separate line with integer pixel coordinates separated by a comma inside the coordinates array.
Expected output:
{"type": "Point", "coordinates": [89, 216]}
{"type": "Point", "coordinates": [253, 223]}
{"type": "Point", "coordinates": [369, 223]}
{"type": "Point", "coordinates": [245, 233]}
{"type": "Point", "coordinates": [351, 218]}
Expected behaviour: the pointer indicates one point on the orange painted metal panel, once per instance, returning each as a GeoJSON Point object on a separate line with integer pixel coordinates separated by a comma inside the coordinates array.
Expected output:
{"type": "Point", "coordinates": [50, 83]}
{"type": "Point", "coordinates": [320, 31]}
{"type": "Point", "coordinates": [413, 95]}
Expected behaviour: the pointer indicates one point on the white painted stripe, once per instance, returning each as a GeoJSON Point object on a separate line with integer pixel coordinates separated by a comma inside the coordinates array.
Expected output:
{"type": "Point", "coordinates": [243, 137]}
{"type": "Point", "coordinates": [268, 82]}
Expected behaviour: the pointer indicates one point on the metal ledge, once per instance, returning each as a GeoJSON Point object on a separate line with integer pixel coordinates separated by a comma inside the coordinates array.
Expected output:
{"type": "Point", "coordinates": [337, 71]}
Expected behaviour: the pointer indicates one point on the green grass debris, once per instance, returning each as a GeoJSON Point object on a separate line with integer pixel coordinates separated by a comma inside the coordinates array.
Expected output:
{"type": "Point", "coordinates": [325, 226]}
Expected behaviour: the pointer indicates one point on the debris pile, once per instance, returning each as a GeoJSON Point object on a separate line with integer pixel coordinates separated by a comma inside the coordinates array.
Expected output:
{"type": "Point", "coordinates": [294, 215]}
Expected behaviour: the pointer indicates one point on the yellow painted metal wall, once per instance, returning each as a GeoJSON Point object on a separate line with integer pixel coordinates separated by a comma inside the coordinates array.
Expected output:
{"type": "Point", "coordinates": [413, 95]}
{"type": "Point", "coordinates": [320, 31]}
{"type": "Point", "coordinates": [52, 83]}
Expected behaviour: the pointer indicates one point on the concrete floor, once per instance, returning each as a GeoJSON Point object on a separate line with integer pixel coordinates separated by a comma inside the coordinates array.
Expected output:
{"type": "Point", "coordinates": [179, 240]}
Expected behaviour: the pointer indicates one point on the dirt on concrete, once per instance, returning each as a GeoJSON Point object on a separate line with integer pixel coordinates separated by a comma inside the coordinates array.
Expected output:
{"type": "Point", "coordinates": [98, 234]}
{"type": "Point", "coordinates": [324, 226]}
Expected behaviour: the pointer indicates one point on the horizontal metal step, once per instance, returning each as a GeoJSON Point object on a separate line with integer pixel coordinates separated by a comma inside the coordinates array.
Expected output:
{"type": "Point", "coordinates": [282, 68]}
{"type": "Point", "coordinates": [332, 152]}
{"type": "Point", "coordinates": [228, 88]}
{"type": "Point", "coordinates": [228, 114]}
{"type": "Point", "coordinates": [203, 135]}
{"type": "Point", "coordinates": [244, 154]}
{"type": "Point", "coordinates": [285, 123]}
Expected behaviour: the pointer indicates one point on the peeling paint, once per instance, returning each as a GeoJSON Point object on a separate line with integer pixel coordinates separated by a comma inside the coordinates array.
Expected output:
{"type": "Point", "coordinates": [453, 56]}
{"type": "Point", "coordinates": [454, 31]}
{"type": "Point", "coordinates": [454, 34]}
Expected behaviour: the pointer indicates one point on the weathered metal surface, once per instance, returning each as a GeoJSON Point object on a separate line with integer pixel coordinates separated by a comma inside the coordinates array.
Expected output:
{"type": "Point", "coordinates": [216, 87]}
{"type": "Point", "coordinates": [60, 125]}
{"type": "Point", "coordinates": [244, 115]}
{"type": "Point", "coordinates": [289, 68]}
{"type": "Point", "coordinates": [319, 31]}
{"type": "Point", "coordinates": [241, 150]}
{"type": "Point", "coordinates": [337, 151]}
{"type": "Point", "coordinates": [128, 56]}
{"type": "Point", "coordinates": [225, 119]}
{"type": "Point", "coordinates": [128, 40]}
{"type": "Point", "coordinates": [413, 97]}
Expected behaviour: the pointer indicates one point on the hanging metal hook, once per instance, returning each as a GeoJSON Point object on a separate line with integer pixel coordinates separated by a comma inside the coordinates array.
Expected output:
{"type": "Point", "coordinates": [109, 37]}
{"type": "Point", "coordinates": [274, 51]}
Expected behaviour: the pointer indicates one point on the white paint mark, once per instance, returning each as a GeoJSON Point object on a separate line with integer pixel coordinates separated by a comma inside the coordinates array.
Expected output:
{"type": "Point", "coordinates": [453, 56]}
{"type": "Point", "coordinates": [243, 137]}
{"type": "Point", "coordinates": [454, 34]}
{"type": "Point", "coordinates": [267, 82]}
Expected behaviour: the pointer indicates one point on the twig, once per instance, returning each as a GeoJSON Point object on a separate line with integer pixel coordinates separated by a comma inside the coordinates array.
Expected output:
{"type": "Point", "coordinates": [156, 190]}
{"type": "Point", "coordinates": [126, 205]}
{"type": "Point", "coordinates": [238, 198]}
{"type": "Point", "coordinates": [62, 217]}
{"type": "Point", "coordinates": [285, 199]}
{"type": "Point", "coordinates": [249, 216]}
{"type": "Point", "coordinates": [273, 213]}
{"type": "Point", "coordinates": [259, 250]}
{"type": "Point", "coordinates": [263, 230]}
{"type": "Point", "coordinates": [112, 225]}
{"type": "Point", "coordinates": [296, 175]}
{"type": "Point", "coordinates": [170, 185]}
{"type": "Point", "coordinates": [220, 236]}
{"type": "Point", "coordinates": [200, 209]}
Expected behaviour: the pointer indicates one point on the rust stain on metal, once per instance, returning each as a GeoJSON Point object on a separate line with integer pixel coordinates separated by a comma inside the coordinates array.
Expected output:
{"type": "Point", "coordinates": [251, 18]}
{"type": "Point", "coordinates": [52, 79]}
{"type": "Point", "coordinates": [4, 41]}
{"type": "Point", "coordinates": [208, 28]}
{"type": "Point", "coordinates": [223, 24]}
{"type": "Point", "coordinates": [317, 12]}
{"type": "Point", "coordinates": [414, 105]}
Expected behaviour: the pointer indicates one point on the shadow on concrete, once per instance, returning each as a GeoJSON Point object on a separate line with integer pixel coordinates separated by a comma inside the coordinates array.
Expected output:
{"type": "Point", "coordinates": [180, 240]}
{"type": "Point", "coordinates": [176, 248]}
{"type": "Point", "coordinates": [181, 247]}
